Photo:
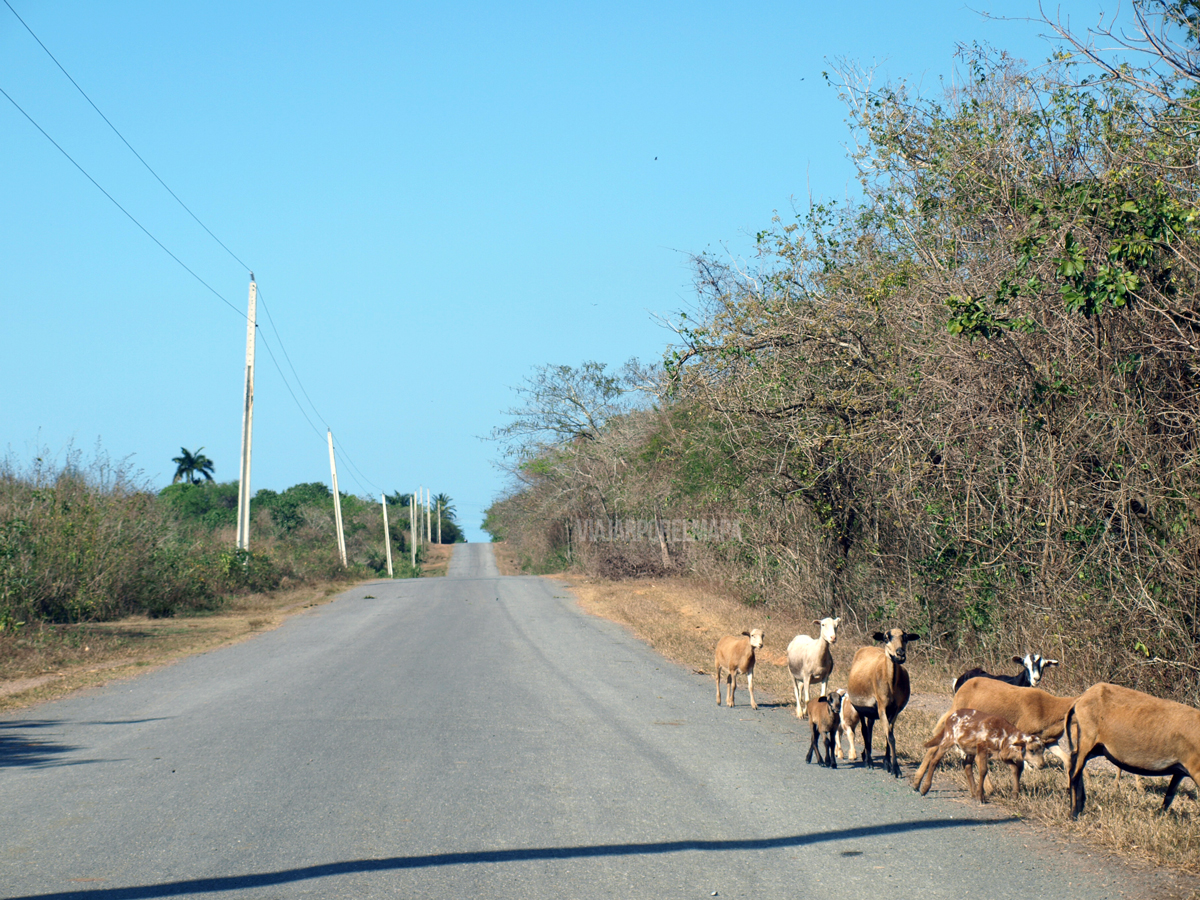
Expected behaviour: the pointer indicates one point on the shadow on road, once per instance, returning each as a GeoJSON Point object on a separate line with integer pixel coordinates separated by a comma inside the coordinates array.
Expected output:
{"type": "Point", "coordinates": [396, 863]}
{"type": "Point", "coordinates": [21, 744]}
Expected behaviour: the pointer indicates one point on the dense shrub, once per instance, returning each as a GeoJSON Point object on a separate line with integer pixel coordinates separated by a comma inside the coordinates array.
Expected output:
{"type": "Point", "coordinates": [968, 403]}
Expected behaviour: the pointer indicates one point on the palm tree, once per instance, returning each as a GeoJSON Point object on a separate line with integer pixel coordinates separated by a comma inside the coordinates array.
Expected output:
{"type": "Point", "coordinates": [446, 504]}
{"type": "Point", "coordinates": [190, 466]}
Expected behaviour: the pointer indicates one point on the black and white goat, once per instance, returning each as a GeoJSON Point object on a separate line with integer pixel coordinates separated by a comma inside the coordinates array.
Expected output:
{"type": "Point", "coordinates": [1032, 667]}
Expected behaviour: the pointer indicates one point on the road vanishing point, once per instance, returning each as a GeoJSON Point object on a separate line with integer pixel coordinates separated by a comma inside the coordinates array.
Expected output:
{"type": "Point", "coordinates": [472, 736]}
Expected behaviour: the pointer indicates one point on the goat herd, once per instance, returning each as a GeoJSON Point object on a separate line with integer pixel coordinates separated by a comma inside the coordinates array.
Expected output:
{"type": "Point", "coordinates": [1002, 716]}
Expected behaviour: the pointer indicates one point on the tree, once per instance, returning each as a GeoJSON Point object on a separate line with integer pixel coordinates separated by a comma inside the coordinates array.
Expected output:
{"type": "Point", "coordinates": [189, 467]}
{"type": "Point", "coordinates": [446, 504]}
{"type": "Point", "coordinates": [563, 404]}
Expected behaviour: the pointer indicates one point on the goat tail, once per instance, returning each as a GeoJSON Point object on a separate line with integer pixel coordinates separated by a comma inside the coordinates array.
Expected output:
{"type": "Point", "coordinates": [939, 731]}
{"type": "Point", "coordinates": [1073, 734]}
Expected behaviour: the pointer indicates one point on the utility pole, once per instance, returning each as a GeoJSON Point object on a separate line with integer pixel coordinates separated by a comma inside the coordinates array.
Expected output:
{"type": "Point", "coordinates": [337, 502]}
{"type": "Point", "coordinates": [428, 519]}
{"type": "Point", "coordinates": [412, 528]}
{"type": "Point", "coordinates": [439, 522]}
{"type": "Point", "coordinates": [243, 516]}
{"type": "Point", "coordinates": [387, 534]}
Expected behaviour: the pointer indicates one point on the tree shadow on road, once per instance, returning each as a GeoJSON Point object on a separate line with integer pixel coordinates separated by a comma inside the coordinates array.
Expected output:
{"type": "Point", "coordinates": [398, 863]}
{"type": "Point", "coordinates": [22, 743]}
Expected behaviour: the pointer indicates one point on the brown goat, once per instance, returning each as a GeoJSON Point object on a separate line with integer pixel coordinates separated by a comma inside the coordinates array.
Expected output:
{"type": "Point", "coordinates": [736, 656]}
{"type": "Point", "coordinates": [878, 689]}
{"type": "Point", "coordinates": [823, 715]}
{"type": "Point", "coordinates": [1136, 732]}
{"type": "Point", "coordinates": [979, 736]}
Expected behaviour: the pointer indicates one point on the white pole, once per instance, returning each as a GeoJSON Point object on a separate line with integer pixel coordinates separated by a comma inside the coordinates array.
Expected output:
{"type": "Point", "coordinates": [439, 522]}
{"type": "Point", "coordinates": [243, 516]}
{"type": "Point", "coordinates": [412, 528]}
{"type": "Point", "coordinates": [428, 519]}
{"type": "Point", "coordinates": [387, 534]}
{"type": "Point", "coordinates": [337, 502]}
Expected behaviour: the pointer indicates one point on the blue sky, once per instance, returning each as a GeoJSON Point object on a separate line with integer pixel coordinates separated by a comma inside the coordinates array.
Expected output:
{"type": "Point", "coordinates": [434, 199]}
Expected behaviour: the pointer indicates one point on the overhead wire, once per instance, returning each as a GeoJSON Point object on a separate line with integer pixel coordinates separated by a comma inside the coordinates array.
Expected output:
{"type": "Point", "coordinates": [122, 137]}
{"type": "Point", "coordinates": [130, 215]}
{"type": "Point", "coordinates": [163, 247]}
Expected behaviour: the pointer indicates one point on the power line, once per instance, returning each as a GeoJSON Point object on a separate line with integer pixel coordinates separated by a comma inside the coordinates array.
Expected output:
{"type": "Point", "coordinates": [122, 137]}
{"type": "Point", "coordinates": [283, 377]}
{"type": "Point", "coordinates": [195, 218]}
{"type": "Point", "coordinates": [215, 292]}
{"type": "Point", "coordinates": [282, 347]}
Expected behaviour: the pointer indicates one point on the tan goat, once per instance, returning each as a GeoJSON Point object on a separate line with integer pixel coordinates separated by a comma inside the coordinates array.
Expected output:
{"type": "Point", "coordinates": [979, 736]}
{"type": "Point", "coordinates": [810, 661]}
{"type": "Point", "coordinates": [878, 689]}
{"type": "Point", "coordinates": [735, 654]}
{"type": "Point", "coordinates": [1136, 732]}
{"type": "Point", "coordinates": [823, 716]}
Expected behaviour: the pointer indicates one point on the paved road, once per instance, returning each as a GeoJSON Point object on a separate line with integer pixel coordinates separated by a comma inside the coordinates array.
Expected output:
{"type": "Point", "coordinates": [460, 737]}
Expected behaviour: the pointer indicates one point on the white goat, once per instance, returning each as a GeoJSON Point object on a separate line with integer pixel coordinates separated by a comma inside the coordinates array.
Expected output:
{"type": "Point", "coordinates": [810, 661]}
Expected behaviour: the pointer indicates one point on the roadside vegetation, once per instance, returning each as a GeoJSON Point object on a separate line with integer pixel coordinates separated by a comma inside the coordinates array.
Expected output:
{"type": "Point", "coordinates": [95, 565]}
{"type": "Point", "coordinates": [966, 403]}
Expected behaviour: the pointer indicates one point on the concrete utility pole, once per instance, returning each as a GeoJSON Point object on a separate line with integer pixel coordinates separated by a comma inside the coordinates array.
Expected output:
{"type": "Point", "coordinates": [439, 522]}
{"type": "Point", "coordinates": [387, 534]}
{"type": "Point", "coordinates": [428, 519]}
{"type": "Point", "coordinates": [243, 515]}
{"type": "Point", "coordinates": [412, 528]}
{"type": "Point", "coordinates": [337, 502]}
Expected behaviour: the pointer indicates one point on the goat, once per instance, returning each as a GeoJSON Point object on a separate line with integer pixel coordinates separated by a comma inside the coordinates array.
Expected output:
{"type": "Point", "coordinates": [878, 689]}
{"type": "Point", "coordinates": [1136, 732]}
{"type": "Point", "coordinates": [823, 715]}
{"type": "Point", "coordinates": [810, 661]}
{"type": "Point", "coordinates": [850, 721]}
{"type": "Point", "coordinates": [735, 654]}
{"type": "Point", "coordinates": [979, 736]}
{"type": "Point", "coordinates": [1032, 667]}
{"type": "Point", "coordinates": [1027, 709]}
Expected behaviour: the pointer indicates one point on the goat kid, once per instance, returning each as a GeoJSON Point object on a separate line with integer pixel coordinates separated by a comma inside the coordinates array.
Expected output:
{"type": "Point", "coordinates": [824, 714]}
{"type": "Point", "coordinates": [979, 736]}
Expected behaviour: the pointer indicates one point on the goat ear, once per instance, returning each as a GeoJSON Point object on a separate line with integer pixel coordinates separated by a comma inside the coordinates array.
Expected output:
{"type": "Point", "coordinates": [1050, 662]}
{"type": "Point", "coordinates": [746, 633]}
{"type": "Point", "coordinates": [909, 638]}
{"type": "Point", "coordinates": [880, 636]}
{"type": "Point", "coordinates": [816, 621]}
{"type": "Point", "coordinates": [1019, 660]}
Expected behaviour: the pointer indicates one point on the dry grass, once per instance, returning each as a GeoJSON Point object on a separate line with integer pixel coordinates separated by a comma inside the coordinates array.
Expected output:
{"type": "Point", "coordinates": [45, 662]}
{"type": "Point", "coordinates": [506, 558]}
{"type": "Point", "coordinates": [683, 619]}
{"type": "Point", "coordinates": [437, 560]}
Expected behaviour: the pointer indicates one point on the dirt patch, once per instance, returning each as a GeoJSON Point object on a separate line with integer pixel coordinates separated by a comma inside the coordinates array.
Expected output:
{"type": "Point", "coordinates": [437, 560]}
{"type": "Point", "coordinates": [506, 558]}
{"type": "Point", "coordinates": [683, 619]}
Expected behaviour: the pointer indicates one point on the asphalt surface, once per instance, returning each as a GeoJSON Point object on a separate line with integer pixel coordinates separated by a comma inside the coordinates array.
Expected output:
{"type": "Point", "coordinates": [469, 736]}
